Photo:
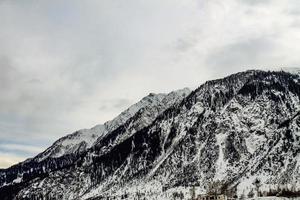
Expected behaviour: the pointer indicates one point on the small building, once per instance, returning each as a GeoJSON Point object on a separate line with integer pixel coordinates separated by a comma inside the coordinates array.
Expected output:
{"type": "Point", "coordinates": [212, 197]}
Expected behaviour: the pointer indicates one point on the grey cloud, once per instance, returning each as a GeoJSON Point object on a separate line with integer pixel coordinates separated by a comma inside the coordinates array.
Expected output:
{"type": "Point", "coordinates": [115, 104]}
{"type": "Point", "coordinates": [292, 8]}
{"type": "Point", "coordinates": [254, 2]}
{"type": "Point", "coordinates": [21, 149]}
{"type": "Point", "coordinates": [185, 44]}
{"type": "Point", "coordinates": [8, 73]}
{"type": "Point", "coordinates": [67, 65]}
{"type": "Point", "coordinates": [121, 103]}
{"type": "Point", "coordinates": [35, 81]}
{"type": "Point", "coordinates": [243, 54]}
{"type": "Point", "coordinates": [294, 12]}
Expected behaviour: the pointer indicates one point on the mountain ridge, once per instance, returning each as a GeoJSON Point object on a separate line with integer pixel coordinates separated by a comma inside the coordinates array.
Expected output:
{"type": "Point", "coordinates": [226, 130]}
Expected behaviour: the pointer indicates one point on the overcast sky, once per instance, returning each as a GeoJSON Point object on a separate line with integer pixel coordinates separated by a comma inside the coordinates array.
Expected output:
{"type": "Point", "coordinates": [67, 65]}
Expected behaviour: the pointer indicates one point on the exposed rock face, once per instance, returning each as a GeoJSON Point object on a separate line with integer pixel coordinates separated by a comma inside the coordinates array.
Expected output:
{"type": "Point", "coordinates": [242, 128]}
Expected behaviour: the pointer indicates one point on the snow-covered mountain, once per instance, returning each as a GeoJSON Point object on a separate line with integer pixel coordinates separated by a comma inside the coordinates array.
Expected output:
{"type": "Point", "coordinates": [68, 149]}
{"type": "Point", "coordinates": [239, 134]}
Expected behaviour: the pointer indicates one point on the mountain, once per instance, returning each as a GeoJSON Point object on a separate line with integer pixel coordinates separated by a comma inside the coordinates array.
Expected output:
{"type": "Point", "coordinates": [65, 151]}
{"type": "Point", "coordinates": [239, 135]}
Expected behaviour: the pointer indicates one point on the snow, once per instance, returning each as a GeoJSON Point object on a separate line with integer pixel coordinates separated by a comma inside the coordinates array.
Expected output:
{"type": "Point", "coordinates": [221, 164]}
{"type": "Point", "coordinates": [18, 180]}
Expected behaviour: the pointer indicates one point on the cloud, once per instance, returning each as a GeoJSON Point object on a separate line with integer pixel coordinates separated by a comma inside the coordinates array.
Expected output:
{"type": "Point", "coordinates": [115, 104]}
{"type": "Point", "coordinates": [67, 65]}
{"type": "Point", "coordinates": [254, 2]}
{"type": "Point", "coordinates": [24, 149]}
{"type": "Point", "coordinates": [255, 52]}
{"type": "Point", "coordinates": [8, 73]}
{"type": "Point", "coordinates": [7, 160]}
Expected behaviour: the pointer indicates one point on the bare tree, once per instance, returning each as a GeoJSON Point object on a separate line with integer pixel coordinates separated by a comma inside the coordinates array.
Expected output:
{"type": "Point", "coordinates": [257, 184]}
{"type": "Point", "coordinates": [193, 192]}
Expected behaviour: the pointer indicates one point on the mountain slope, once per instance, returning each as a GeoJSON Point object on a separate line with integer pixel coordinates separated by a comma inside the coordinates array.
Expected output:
{"type": "Point", "coordinates": [235, 131]}
{"type": "Point", "coordinates": [64, 152]}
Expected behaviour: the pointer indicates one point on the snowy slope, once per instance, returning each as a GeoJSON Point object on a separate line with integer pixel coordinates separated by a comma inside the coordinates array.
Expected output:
{"type": "Point", "coordinates": [73, 143]}
{"type": "Point", "coordinates": [236, 130]}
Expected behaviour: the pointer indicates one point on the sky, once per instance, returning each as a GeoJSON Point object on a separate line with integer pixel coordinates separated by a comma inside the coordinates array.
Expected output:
{"type": "Point", "coordinates": [70, 64]}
